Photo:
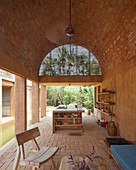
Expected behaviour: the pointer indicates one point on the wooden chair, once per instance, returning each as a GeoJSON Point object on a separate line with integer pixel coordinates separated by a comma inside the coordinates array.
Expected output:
{"type": "Point", "coordinates": [40, 156]}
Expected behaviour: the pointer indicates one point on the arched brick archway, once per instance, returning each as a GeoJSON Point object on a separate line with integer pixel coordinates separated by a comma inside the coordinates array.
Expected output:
{"type": "Point", "coordinates": [106, 28]}
{"type": "Point", "coordinates": [60, 61]}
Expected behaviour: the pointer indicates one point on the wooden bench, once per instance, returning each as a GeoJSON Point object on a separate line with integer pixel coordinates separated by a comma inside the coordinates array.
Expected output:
{"type": "Point", "coordinates": [107, 148]}
{"type": "Point", "coordinates": [40, 156]}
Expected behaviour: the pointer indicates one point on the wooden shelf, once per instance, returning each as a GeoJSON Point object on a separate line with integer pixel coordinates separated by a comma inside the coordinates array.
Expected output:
{"type": "Point", "coordinates": [69, 125]}
{"type": "Point", "coordinates": [103, 103]}
{"type": "Point", "coordinates": [71, 131]}
{"type": "Point", "coordinates": [68, 118]}
{"type": "Point", "coordinates": [108, 114]}
{"type": "Point", "coordinates": [68, 121]}
{"type": "Point", "coordinates": [68, 111]}
{"type": "Point", "coordinates": [106, 93]}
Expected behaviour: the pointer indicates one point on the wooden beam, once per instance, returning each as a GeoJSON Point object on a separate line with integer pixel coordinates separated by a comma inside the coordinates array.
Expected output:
{"type": "Point", "coordinates": [70, 80]}
{"type": "Point", "coordinates": [7, 83]}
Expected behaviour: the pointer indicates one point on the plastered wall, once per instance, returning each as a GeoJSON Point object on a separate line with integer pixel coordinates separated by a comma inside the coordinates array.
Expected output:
{"type": "Point", "coordinates": [122, 80]}
{"type": "Point", "coordinates": [43, 101]}
{"type": "Point", "coordinates": [20, 105]}
{"type": "Point", "coordinates": [35, 102]}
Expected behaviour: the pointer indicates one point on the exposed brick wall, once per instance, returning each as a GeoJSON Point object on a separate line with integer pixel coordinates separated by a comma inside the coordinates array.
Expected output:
{"type": "Point", "coordinates": [31, 29]}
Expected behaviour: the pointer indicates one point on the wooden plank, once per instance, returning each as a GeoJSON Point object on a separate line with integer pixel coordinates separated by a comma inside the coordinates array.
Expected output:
{"type": "Point", "coordinates": [27, 135]}
{"type": "Point", "coordinates": [45, 156]}
{"type": "Point", "coordinates": [8, 83]}
{"type": "Point", "coordinates": [71, 84]}
{"type": "Point", "coordinates": [37, 154]}
{"type": "Point", "coordinates": [104, 93]}
{"type": "Point", "coordinates": [108, 114]}
{"type": "Point", "coordinates": [69, 131]}
{"type": "Point", "coordinates": [68, 111]}
{"type": "Point", "coordinates": [107, 93]}
{"type": "Point", "coordinates": [111, 156]}
{"type": "Point", "coordinates": [23, 152]}
{"type": "Point", "coordinates": [68, 118]}
{"type": "Point", "coordinates": [102, 102]}
{"type": "Point", "coordinates": [104, 145]}
{"type": "Point", "coordinates": [36, 144]}
{"type": "Point", "coordinates": [17, 159]}
{"type": "Point", "coordinates": [69, 125]}
{"type": "Point", "coordinates": [89, 79]}
{"type": "Point", "coordinates": [52, 162]}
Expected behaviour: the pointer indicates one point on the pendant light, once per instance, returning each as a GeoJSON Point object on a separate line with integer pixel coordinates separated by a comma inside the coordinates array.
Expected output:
{"type": "Point", "coordinates": [69, 30]}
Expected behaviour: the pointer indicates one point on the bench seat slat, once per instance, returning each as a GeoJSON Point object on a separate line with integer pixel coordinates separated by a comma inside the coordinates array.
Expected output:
{"type": "Point", "coordinates": [47, 155]}
{"type": "Point", "coordinates": [37, 154]}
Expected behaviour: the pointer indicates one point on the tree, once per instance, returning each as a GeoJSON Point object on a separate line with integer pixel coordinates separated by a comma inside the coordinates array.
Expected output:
{"type": "Point", "coordinates": [68, 94]}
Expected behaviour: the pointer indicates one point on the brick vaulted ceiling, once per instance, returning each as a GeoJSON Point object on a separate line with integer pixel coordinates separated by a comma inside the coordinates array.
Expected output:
{"type": "Point", "coordinates": [29, 29]}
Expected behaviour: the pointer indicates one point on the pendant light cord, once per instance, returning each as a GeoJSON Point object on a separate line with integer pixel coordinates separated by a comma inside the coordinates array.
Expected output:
{"type": "Point", "coordinates": [70, 22]}
{"type": "Point", "coordinates": [69, 12]}
{"type": "Point", "coordinates": [70, 45]}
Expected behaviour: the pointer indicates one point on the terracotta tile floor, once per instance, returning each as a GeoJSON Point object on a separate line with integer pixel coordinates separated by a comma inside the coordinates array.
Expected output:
{"type": "Point", "coordinates": [75, 145]}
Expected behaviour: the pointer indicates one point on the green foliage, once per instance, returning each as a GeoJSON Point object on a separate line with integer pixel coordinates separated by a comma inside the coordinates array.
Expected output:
{"type": "Point", "coordinates": [68, 94]}
{"type": "Point", "coordinates": [87, 97]}
{"type": "Point", "coordinates": [66, 64]}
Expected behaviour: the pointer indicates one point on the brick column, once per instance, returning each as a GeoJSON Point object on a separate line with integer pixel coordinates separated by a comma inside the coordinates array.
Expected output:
{"type": "Point", "coordinates": [12, 100]}
{"type": "Point", "coordinates": [43, 101]}
{"type": "Point", "coordinates": [20, 104]}
{"type": "Point", "coordinates": [35, 102]}
{"type": "Point", "coordinates": [0, 100]}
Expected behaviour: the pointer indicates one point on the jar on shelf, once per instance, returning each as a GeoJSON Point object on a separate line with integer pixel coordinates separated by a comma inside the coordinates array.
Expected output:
{"type": "Point", "coordinates": [74, 121]}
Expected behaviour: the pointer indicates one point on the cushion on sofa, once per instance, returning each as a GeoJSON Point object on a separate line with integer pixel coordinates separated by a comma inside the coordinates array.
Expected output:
{"type": "Point", "coordinates": [125, 155]}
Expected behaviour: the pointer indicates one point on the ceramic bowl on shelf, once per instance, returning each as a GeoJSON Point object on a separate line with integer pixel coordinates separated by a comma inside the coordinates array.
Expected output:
{"type": "Point", "coordinates": [65, 123]}
{"type": "Point", "coordinates": [59, 123]}
{"type": "Point", "coordinates": [66, 116]}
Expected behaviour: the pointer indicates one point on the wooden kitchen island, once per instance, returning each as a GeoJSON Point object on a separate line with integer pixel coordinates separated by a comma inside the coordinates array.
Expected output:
{"type": "Point", "coordinates": [67, 121]}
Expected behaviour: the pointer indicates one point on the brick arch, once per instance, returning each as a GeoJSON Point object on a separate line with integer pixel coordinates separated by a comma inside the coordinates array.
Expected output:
{"type": "Point", "coordinates": [45, 52]}
{"type": "Point", "coordinates": [85, 52]}
{"type": "Point", "coordinates": [106, 28]}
